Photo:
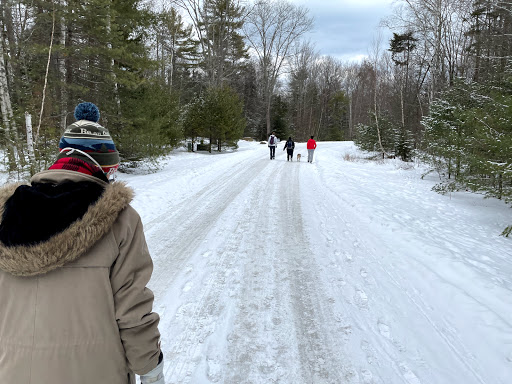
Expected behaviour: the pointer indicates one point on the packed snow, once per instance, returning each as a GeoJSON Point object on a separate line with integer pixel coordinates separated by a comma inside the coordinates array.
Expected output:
{"type": "Point", "coordinates": [340, 271]}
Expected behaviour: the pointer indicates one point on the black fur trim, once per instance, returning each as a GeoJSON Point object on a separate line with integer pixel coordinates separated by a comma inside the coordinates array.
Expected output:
{"type": "Point", "coordinates": [34, 214]}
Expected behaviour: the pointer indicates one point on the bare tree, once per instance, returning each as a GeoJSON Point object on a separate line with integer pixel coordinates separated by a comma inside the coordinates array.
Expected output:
{"type": "Point", "coordinates": [302, 80]}
{"type": "Point", "coordinates": [272, 29]}
{"type": "Point", "coordinates": [376, 58]}
{"type": "Point", "coordinates": [349, 83]}
{"type": "Point", "coordinates": [442, 26]}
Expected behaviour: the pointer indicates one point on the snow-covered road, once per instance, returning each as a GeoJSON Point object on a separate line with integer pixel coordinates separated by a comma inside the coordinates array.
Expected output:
{"type": "Point", "coordinates": [332, 272]}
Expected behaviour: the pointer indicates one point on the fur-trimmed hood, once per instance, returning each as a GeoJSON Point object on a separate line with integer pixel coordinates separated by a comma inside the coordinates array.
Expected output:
{"type": "Point", "coordinates": [69, 243]}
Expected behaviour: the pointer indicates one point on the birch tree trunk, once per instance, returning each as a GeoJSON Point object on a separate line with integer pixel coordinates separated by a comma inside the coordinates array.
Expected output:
{"type": "Point", "coordinates": [10, 42]}
{"type": "Point", "coordinates": [350, 121]}
{"type": "Point", "coordinates": [112, 64]}
{"type": "Point", "coordinates": [62, 71]}
{"type": "Point", "coordinates": [30, 143]}
{"type": "Point", "coordinates": [7, 114]}
{"type": "Point", "coordinates": [376, 57]}
{"type": "Point", "coordinates": [376, 112]}
{"type": "Point", "coordinates": [46, 77]}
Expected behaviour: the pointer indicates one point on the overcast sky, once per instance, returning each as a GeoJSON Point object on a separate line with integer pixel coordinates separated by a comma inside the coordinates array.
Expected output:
{"type": "Point", "coordinates": [345, 28]}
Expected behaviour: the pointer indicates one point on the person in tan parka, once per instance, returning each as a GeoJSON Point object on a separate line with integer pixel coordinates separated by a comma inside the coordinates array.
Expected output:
{"type": "Point", "coordinates": [74, 266]}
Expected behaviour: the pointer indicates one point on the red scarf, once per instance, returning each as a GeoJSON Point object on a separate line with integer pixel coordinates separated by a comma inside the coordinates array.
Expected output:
{"type": "Point", "coordinates": [78, 165]}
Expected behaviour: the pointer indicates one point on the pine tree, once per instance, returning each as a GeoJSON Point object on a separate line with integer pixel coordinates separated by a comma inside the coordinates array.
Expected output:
{"type": "Point", "coordinates": [469, 136]}
{"type": "Point", "coordinates": [223, 47]}
{"type": "Point", "coordinates": [217, 114]}
{"type": "Point", "coordinates": [176, 51]}
{"type": "Point", "coordinates": [279, 117]}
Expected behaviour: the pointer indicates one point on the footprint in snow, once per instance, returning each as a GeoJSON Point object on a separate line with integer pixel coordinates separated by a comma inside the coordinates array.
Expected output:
{"type": "Point", "coordinates": [409, 375]}
{"type": "Point", "coordinates": [276, 321]}
{"type": "Point", "coordinates": [384, 330]}
{"type": "Point", "coordinates": [364, 273]}
{"type": "Point", "coordinates": [187, 287]}
{"type": "Point", "coordinates": [214, 370]}
{"type": "Point", "coordinates": [367, 377]}
{"type": "Point", "coordinates": [361, 298]}
{"type": "Point", "coordinates": [369, 351]}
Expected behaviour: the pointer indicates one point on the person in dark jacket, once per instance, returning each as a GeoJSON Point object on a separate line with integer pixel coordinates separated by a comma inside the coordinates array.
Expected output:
{"type": "Point", "coordinates": [74, 266]}
{"type": "Point", "coordinates": [289, 146]}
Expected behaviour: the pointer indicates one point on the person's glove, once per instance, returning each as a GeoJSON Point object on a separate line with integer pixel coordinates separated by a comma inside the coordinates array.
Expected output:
{"type": "Point", "coordinates": [155, 376]}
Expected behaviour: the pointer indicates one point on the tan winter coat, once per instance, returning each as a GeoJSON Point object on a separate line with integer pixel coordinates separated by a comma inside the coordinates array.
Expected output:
{"type": "Point", "coordinates": [75, 309]}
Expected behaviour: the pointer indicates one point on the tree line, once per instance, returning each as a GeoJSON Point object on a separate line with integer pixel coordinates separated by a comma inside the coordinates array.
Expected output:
{"type": "Point", "coordinates": [219, 70]}
{"type": "Point", "coordinates": [162, 72]}
{"type": "Point", "coordinates": [442, 91]}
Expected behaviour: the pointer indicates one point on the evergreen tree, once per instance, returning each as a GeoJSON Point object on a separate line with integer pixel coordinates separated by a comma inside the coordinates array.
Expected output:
{"type": "Point", "coordinates": [177, 53]}
{"type": "Point", "coordinates": [469, 136]}
{"type": "Point", "coordinates": [217, 115]}
{"type": "Point", "coordinates": [337, 117]}
{"type": "Point", "coordinates": [223, 47]}
{"type": "Point", "coordinates": [367, 137]}
{"type": "Point", "coordinates": [279, 118]}
{"type": "Point", "coordinates": [491, 36]}
{"type": "Point", "coordinates": [401, 47]}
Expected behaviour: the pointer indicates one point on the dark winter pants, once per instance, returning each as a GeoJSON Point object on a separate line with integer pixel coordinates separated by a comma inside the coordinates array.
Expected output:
{"type": "Point", "coordinates": [289, 155]}
{"type": "Point", "coordinates": [272, 152]}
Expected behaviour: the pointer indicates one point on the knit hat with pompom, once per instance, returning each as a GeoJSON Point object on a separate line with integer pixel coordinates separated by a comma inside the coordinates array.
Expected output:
{"type": "Point", "coordinates": [86, 140]}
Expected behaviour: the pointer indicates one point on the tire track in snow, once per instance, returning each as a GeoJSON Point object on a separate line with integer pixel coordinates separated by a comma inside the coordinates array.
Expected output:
{"type": "Point", "coordinates": [260, 319]}
{"type": "Point", "coordinates": [346, 274]}
{"type": "Point", "coordinates": [205, 315]}
{"type": "Point", "coordinates": [283, 329]}
{"type": "Point", "coordinates": [180, 229]}
{"type": "Point", "coordinates": [319, 348]}
{"type": "Point", "coordinates": [202, 318]}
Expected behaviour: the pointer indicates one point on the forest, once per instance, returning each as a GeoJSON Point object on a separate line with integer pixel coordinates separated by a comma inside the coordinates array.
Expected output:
{"type": "Point", "coordinates": [214, 71]}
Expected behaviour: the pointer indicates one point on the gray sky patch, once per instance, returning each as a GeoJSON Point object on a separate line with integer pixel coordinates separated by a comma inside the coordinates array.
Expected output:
{"type": "Point", "coordinates": [345, 29]}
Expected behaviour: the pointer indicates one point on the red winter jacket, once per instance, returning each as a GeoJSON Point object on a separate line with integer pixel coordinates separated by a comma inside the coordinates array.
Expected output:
{"type": "Point", "coordinates": [311, 144]}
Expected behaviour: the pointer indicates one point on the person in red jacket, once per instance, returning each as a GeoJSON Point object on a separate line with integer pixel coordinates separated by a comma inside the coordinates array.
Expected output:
{"type": "Point", "coordinates": [311, 149]}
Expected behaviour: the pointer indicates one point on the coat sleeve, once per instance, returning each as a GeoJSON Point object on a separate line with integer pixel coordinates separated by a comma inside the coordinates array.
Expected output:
{"type": "Point", "coordinates": [129, 275]}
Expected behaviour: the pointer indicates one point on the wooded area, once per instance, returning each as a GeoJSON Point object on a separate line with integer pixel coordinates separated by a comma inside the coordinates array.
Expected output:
{"type": "Point", "coordinates": [443, 92]}
{"type": "Point", "coordinates": [218, 70]}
